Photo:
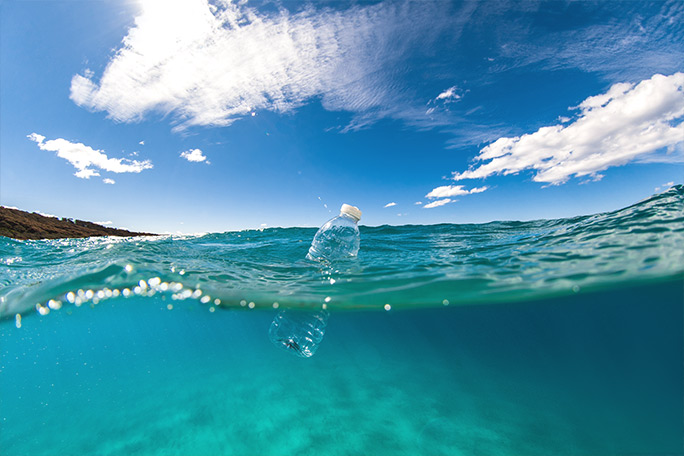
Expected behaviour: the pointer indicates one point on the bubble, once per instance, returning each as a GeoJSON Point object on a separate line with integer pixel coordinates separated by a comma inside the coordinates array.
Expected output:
{"type": "Point", "coordinates": [212, 309]}
{"type": "Point", "coordinates": [129, 268]}
{"type": "Point", "coordinates": [328, 299]}
{"type": "Point", "coordinates": [445, 302]}
{"type": "Point", "coordinates": [54, 305]}
{"type": "Point", "coordinates": [169, 306]}
{"type": "Point", "coordinates": [17, 320]}
{"type": "Point", "coordinates": [276, 305]}
{"type": "Point", "coordinates": [251, 305]}
{"type": "Point", "coordinates": [205, 299]}
{"type": "Point", "coordinates": [43, 310]}
{"type": "Point", "coordinates": [89, 294]}
{"type": "Point", "coordinates": [71, 297]}
{"type": "Point", "coordinates": [388, 307]}
{"type": "Point", "coordinates": [243, 303]}
{"type": "Point", "coordinates": [217, 301]}
{"type": "Point", "coordinates": [126, 292]}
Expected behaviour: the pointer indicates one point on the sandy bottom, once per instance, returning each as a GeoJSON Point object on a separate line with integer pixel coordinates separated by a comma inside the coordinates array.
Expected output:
{"type": "Point", "coordinates": [598, 374]}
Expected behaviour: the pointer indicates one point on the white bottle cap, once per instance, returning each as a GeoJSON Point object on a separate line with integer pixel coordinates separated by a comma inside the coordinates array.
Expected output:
{"type": "Point", "coordinates": [351, 211]}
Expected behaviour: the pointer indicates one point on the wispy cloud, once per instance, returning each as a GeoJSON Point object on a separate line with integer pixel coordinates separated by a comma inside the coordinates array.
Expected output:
{"type": "Point", "coordinates": [107, 180]}
{"type": "Point", "coordinates": [390, 204]}
{"type": "Point", "coordinates": [438, 203]}
{"type": "Point", "coordinates": [213, 63]}
{"type": "Point", "coordinates": [193, 155]}
{"type": "Point", "coordinates": [627, 123]}
{"type": "Point", "coordinates": [87, 160]}
{"type": "Point", "coordinates": [446, 191]}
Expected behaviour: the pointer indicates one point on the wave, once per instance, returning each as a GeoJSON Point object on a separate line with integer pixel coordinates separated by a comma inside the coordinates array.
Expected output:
{"type": "Point", "coordinates": [398, 266]}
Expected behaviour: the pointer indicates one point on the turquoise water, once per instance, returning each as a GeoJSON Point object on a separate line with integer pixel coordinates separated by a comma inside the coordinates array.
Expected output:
{"type": "Point", "coordinates": [559, 337]}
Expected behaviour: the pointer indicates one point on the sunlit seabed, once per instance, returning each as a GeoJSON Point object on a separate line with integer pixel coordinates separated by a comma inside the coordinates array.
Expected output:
{"type": "Point", "coordinates": [593, 374]}
{"type": "Point", "coordinates": [509, 338]}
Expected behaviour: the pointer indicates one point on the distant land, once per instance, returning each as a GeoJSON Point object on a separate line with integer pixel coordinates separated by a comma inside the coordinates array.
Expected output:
{"type": "Point", "coordinates": [22, 225]}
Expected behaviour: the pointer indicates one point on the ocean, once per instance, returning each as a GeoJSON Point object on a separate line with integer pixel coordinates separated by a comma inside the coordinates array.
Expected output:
{"type": "Point", "coordinates": [549, 337]}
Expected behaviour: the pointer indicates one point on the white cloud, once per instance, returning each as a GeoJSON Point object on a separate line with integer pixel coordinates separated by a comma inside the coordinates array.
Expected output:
{"type": "Point", "coordinates": [446, 191]}
{"type": "Point", "coordinates": [438, 203]}
{"type": "Point", "coordinates": [107, 180]}
{"type": "Point", "coordinates": [449, 95]}
{"type": "Point", "coordinates": [665, 186]}
{"type": "Point", "coordinates": [193, 155]}
{"type": "Point", "coordinates": [108, 222]}
{"type": "Point", "coordinates": [212, 63]}
{"type": "Point", "coordinates": [641, 122]}
{"type": "Point", "coordinates": [390, 204]}
{"type": "Point", "coordinates": [86, 160]}
{"type": "Point", "coordinates": [418, 203]}
{"type": "Point", "coordinates": [142, 143]}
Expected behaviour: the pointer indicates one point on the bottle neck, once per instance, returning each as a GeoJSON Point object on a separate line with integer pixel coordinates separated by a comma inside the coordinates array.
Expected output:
{"type": "Point", "coordinates": [348, 217]}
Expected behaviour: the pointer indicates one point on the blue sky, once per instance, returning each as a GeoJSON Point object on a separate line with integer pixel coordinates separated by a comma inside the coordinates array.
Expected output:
{"type": "Point", "coordinates": [194, 116]}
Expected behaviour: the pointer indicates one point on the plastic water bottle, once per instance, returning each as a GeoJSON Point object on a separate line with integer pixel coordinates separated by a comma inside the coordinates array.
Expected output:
{"type": "Point", "coordinates": [299, 332]}
{"type": "Point", "coordinates": [338, 238]}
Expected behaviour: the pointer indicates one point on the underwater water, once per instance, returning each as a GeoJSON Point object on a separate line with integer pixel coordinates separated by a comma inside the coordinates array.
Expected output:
{"type": "Point", "coordinates": [561, 337]}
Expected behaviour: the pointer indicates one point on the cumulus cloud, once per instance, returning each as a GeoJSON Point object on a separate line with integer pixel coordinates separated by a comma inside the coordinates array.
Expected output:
{"type": "Point", "coordinates": [390, 204]}
{"type": "Point", "coordinates": [87, 160]}
{"type": "Point", "coordinates": [628, 123]}
{"type": "Point", "coordinates": [107, 180]}
{"type": "Point", "coordinates": [212, 63]}
{"type": "Point", "coordinates": [446, 191]}
{"type": "Point", "coordinates": [449, 95]}
{"type": "Point", "coordinates": [193, 155]}
{"type": "Point", "coordinates": [438, 203]}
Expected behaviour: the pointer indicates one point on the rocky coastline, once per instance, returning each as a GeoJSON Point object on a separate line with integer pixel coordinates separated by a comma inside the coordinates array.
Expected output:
{"type": "Point", "coordinates": [18, 224]}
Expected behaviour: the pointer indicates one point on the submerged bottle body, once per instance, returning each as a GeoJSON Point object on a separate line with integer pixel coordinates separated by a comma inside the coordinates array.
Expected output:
{"type": "Point", "coordinates": [337, 239]}
{"type": "Point", "coordinates": [299, 332]}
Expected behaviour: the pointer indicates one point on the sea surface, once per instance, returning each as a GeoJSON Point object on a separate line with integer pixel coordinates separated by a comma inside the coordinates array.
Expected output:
{"type": "Point", "coordinates": [549, 337]}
